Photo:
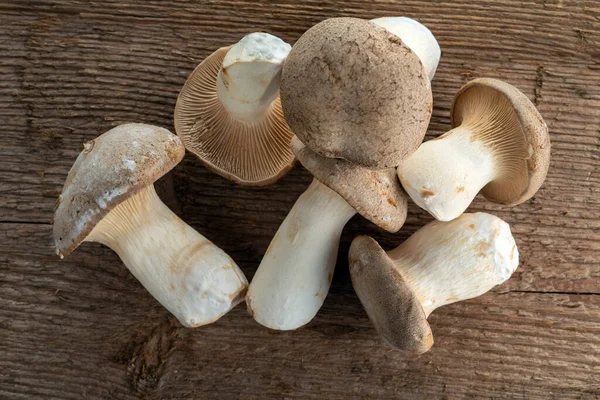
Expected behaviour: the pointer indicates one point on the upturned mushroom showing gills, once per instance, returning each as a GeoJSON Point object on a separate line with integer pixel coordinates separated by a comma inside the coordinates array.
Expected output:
{"type": "Point", "coordinates": [417, 37]}
{"type": "Point", "coordinates": [109, 198]}
{"type": "Point", "coordinates": [351, 89]}
{"type": "Point", "coordinates": [499, 145]}
{"type": "Point", "coordinates": [228, 113]}
{"type": "Point", "coordinates": [442, 263]}
{"type": "Point", "coordinates": [294, 276]}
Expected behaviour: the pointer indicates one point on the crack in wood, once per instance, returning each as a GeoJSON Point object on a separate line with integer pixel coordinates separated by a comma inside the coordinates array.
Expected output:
{"type": "Point", "coordinates": [552, 292]}
{"type": "Point", "coordinates": [146, 355]}
{"type": "Point", "coordinates": [539, 84]}
{"type": "Point", "coordinates": [8, 222]}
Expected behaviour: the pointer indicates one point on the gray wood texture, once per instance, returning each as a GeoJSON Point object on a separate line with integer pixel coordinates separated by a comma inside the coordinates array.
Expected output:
{"type": "Point", "coordinates": [85, 328]}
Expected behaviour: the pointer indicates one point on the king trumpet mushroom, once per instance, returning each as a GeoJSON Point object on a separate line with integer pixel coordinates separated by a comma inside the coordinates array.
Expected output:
{"type": "Point", "coordinates": [228, 113]}
{"type": "Point", "coordinates": [499, 146]}
{"type": "Point", "coordinates": [359, 101]}
{"type": "Point", "coordinates": [442, 263]}
{"type": "Point", "coordinates": [109, 197]}
{"type": "Point", "coordinates": [294, 276]}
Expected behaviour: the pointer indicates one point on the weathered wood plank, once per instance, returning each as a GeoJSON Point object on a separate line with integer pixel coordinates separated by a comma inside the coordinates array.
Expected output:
{"type": "Point", "coordinates": [84, 327]}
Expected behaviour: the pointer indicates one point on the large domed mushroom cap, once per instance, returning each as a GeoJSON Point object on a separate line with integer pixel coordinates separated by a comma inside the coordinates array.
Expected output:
{"type": "Point", "coordinates": [351, 89]}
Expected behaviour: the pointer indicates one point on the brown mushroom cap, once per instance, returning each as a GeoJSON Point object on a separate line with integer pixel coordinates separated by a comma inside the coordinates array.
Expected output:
{"type": "Point", "coordinates": [247, 153]}
{"type": "Point", "coordinates": [374, 194]}
{"type": "Point", "coordinates": [504, 119]}
{"type": "Point", "coordinates": [390, 303]}
{"type": "Point", "coordinates": [353, 90]}
{"type": "Point", "coordinates": [111, 168]}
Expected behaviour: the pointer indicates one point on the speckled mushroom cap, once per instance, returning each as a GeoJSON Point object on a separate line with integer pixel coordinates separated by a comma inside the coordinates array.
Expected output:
{"type": "Point", "coordinates": [252, 154]}
{"type": "Point", "coordinates": [374, 194]}
{"type": "Point", "coordinates": [510, 124]}
{"type": "Point", "coordinates": [350, 89]}
{"type": "Point", "coordinates": [389, 302]}
{"type": "Point", "coordinates": [111, 168]}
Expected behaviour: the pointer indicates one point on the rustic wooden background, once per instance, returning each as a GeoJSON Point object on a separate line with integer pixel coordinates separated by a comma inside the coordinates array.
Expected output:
{"type": "Point", "coordinates": [84, 327]}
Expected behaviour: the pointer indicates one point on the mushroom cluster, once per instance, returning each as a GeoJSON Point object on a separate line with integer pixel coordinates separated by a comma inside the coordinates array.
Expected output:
{"type": "Point", "coordinates": [351, 100]}
{"type": "Point", "coordinates": [359, 101]}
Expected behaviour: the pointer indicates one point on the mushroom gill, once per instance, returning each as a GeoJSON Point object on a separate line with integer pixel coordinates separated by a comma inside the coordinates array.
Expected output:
{"type": "Point", "coordinates": [250, 153]}
{"type": "Point", "coordinates": [491, 119]}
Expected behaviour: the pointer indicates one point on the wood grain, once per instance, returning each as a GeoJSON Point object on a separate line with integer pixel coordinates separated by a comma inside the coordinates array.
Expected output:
{"type": "Point", "coordinates": [84, 327]}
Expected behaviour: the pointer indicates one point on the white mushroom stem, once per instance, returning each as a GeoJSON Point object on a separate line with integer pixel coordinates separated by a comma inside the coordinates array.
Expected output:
{"type": "Point", "coordinates": [448, 262]}
{"type": "Point", "coordinates": [190, 276]}
{"type": "Point", "coordinates": [444, 175]}
{"type": "Point", "coordinates": [417, 37]}
{"type": "Point", "coordinates": [294, 276]}
{"type": "Point", "coordinates": [248, 81]}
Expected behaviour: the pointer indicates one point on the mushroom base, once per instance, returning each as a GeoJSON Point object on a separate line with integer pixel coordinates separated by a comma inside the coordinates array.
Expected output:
{"type": "Point", "coordinates": [443, 263]}
{"type": "Point", "coordinates": [248, 80]}
{"type": "Point", "coordinates": [243, 110]}
{"type": "Point", "coordinates": [294, 276]}
{"type": "Point", "coordinates": [444, 175]}
{"type": "Point", "coordinates": [417, 37]}
{"type": "Point", "coordinates": [190, 276]}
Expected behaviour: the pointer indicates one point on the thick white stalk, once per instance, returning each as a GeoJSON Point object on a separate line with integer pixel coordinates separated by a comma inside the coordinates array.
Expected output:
{"type": "Point", "coordinates": [444, 175]}
{"type": "Point", "coordinates": [190, 276]}
{"type": "Point", "coordinates": [448, 262]}
{"type": "Point", "coordinates": [248, 81]}
{"type": "Point", "coordinates": [294, 276]}
{"type": "Point", "coordinates": [417, 37]}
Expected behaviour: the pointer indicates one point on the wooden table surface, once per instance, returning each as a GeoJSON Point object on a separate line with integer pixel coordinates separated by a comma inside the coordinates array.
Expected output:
{"type": "Point", "coordinates": [85, 328]}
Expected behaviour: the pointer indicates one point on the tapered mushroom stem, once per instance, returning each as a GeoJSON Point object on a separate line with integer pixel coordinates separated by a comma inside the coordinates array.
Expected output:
{"type": "Point", "coordinates": [190, 276]}
{"type": "Point", "coordinates": [445, 263]}
{"type": "Point", "coordinates": [294, 276]}
{"type": "Point", "coordinates": [443, 176]}
{"type": "Point", "coordinates": [248, 81]}
{"type": "Point", "coordinates": [442, 263]}
{"type": "Point", "coordinates": [417, 37]}
{"type": "Point", "coordinates": [499, 145]}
